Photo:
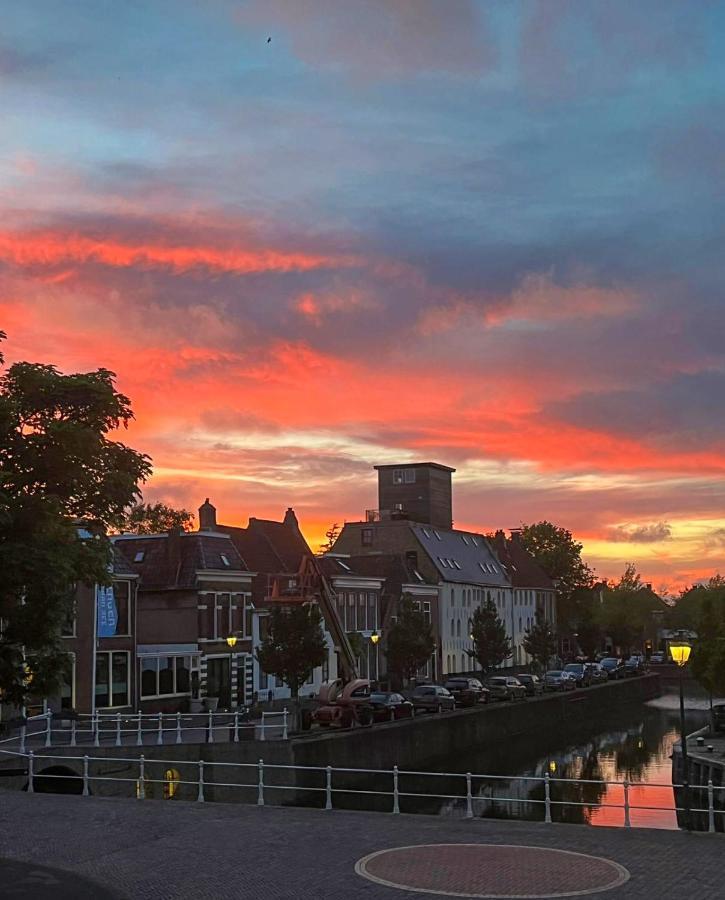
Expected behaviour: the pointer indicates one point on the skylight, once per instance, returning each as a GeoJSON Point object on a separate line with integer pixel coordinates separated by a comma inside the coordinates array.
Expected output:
{"type": "Point", "coordinates": [443, 562]}
{"type": "Point", "coordinates": [139, 556]}
{"type": "Point", "coordinates": [426, 532]}
{"type": "Point", "coordinates": [343, 565]}
{"type": "Point", "coordinates": [437, 535]}
{"type": "Point", "coordinates": [225, 560]}
{"type": "Point", "coordinates": [464, 538]}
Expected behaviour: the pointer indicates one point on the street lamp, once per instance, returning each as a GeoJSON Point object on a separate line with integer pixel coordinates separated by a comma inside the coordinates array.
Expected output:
{"type": "Point", "coordinates": [680, 651]}
{"type": "Point", "coordinates": [232, 640]}
{"type": "Point", "coordinates": [374, 637]}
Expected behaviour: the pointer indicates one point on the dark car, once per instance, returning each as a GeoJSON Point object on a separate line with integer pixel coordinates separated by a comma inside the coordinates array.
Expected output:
{"type": "Point", "coordinates": [390, 706]}
{"type": "Point", "coordinates": [718, 716]}
{"type": "Point", "coordinates": [634, 666]}
{"type": "Point", "coordinates": [433, 698]}
{"type": "Point", "coordinates": [506, 687]}
{"type": "Point", "coordinates": [533, 684]}
{"type": "Point", "coordinates": [596, 673]}
{"type": "Point", "coordinates": [613, 667]}
{"type": "Point", "coordinates": [556, 680]}
{"type": "Point", "coordinates": [580, 674]}
{"type": "Point", "coordinates": [467, 691]}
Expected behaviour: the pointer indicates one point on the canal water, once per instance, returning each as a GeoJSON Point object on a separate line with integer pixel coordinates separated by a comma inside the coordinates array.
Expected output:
{"type": "Point", "coordinates": [633, 744]}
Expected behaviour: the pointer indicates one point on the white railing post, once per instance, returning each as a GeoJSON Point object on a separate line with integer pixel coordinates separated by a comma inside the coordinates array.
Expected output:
{"type": "Point", "coordinates": [469, 797]}
{"type": "Point", "coordinates": [396, 799]}
{"type": "Point", "coordinates": [710, 806]}
{"type": "Point", "coordinates": [627, 823]}
{"type": "Point", "coordinates": [95, 722]}
{"type": "Point", "coordinates": [260, 784]}
{"type": "Point", "coordinates": [178, 727]}
{"type": "Point", "coordinates": [23, 729]}
{"type": "Point", "coordinates": [31, 785]}
{"type": "Point", "coordinates": [118, 729]}
{"type": "Point", "coordinates": [284, 724]}
{"type": "Point", "coordinates": [547, 799]}
{"type": "Point", "coordinates": [141, 778]}
{"type": "Point", "coordinates": [160, 736]}
{"type": "Point", "coordinates": [86, 791]}
{"type": "Point", "coordinates": [328, 788]}
{"type": "Point", "coordinates": [72, 732]}
{"type": "Point", "coordinates": [211, 727]}
{"type": "Point", "coordinates": [236, 725]}
{"type": "Point", "coordinates": [48, 727]}
{"type": "Point", "coordinates": [200, 794]}
{"type": "Point", "coordinates": [139, 732]}
{"type": "Point", "coordinates": [263, 728]}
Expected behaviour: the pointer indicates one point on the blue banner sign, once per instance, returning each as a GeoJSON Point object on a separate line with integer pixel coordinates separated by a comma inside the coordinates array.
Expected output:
{"type": "Point", "coordinates": [106, 612]}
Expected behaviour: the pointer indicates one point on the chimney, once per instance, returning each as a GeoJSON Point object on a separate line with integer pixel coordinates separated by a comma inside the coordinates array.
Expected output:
{"type": "Point", "coordinates": [207, 516]}
{"type": "Point", "coordinates": [173, 554]}
{"type": "Point", "coordinates": [515, 535]}
{"type": "Point", "coordinates": [290, 519]}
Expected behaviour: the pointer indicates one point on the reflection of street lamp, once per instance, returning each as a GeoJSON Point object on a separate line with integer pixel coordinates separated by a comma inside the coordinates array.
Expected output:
{"type": "Point", "coordinates": [680, 652]}
{"type": "Point", "coordinates": [552, 767]}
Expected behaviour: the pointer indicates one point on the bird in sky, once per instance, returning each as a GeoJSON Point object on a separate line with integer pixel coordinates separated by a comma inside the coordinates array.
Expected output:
{"type": "Point", "coordinates": [269, 40]}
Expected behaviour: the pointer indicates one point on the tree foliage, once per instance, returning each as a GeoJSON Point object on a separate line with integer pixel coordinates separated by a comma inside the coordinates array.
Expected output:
{"type": "Point", "coordinates": [332, 534]}
{"type": "Point", "coordinates": [708, 656]}
{"type": "Point", "coordinates": [294, 645]}
{"type": "Point", "coordinates": [410, 641]}
{"type": "Point", "coordinates": [540, 642]}
{"type": "Point", "coordinates": [628, 611]}
{"type": "Point", "coordinates": [63, 483]}
{"type": "Point", "coordinates": [491, 646]}
{"type": "Point", "coordinates": [154, 518]}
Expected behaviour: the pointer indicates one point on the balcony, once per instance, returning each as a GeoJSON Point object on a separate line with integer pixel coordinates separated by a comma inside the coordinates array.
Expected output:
{"type": "Point", "coordinates": [385, 515]}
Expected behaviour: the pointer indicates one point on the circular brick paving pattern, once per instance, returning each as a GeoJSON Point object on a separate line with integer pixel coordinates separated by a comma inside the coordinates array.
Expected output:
{"type": "Point", "coordinates": [491, 871]}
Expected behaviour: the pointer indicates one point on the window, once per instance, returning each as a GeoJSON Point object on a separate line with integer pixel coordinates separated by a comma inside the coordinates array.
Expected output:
{"type": "Point", "coordinates": [139, 556]}
{"type": "Point", "coordinates": [68, 628]}
{"type": "Point", "coordinates": [464, 539]}
{"type": "Point", "coordinates": [343, 565]}
{"type": "Point", "coordinates": [398, 477]}
{"type": "Point", "coordinates": [443, 562]}
{"type": "Point", "coordinates": [458, 628]}
{"type": "Point", "coordinates": [366, 537]}
{"type": "Point", "coordinates": [480, 566]}
{"type": "Point", "coordinates": [165, 676]}
{"type": "Point", "coordinates": [68, 685]}
{"type": "Point", "coordinates": [225, 560]}
{"type": "Point", "coordinates": [437, 535]}
{"type": "Point", "coordinates": [372, 612]}
{"type": "Point", "coordinates": [112, 679]}
{"type": "Point", "coordinates": [409, 476]}
{"type": "Point", "coordinates": [453, 628]}
{"type": "Point", "coordinates": [455, 563]}
{"type": "Point", "coordinates": [426, 533]}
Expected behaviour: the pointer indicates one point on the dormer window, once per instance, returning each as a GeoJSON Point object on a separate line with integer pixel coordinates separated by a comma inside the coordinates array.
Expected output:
{"type": "Point", "coordinates": [225, 560]}
{"type": "Point", "coordinates": [139, 557]}
{"type": "Point", "coordinates": [426, 533]}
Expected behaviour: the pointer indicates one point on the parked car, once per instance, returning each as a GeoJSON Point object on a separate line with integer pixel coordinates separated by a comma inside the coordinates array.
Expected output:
{"type": "Point", "coordinates": [432, 698]}
{"type": "Point", "coordinates": [506, 687]}
{"type": "Point", "coordinates": [579, 672]}
{"type": "Point", "coordinates": [557, 680]}
{"type": "Point", "coordinates": [390, 706]}
{"type": "Point", "coordinates": [634, 666]}
{"type": "Point", "coordinates": [467, 691]}
{"type": "Point", "coordinates": [533, 684]}
{"type": "Point", "coordinates": [718, 716]}
{"type": "Point", "coordinates": [613, 667]}
{"type": "Point", "coordinates": [658, 658]}
{"type": "Point", "coordinates": [596, 673]}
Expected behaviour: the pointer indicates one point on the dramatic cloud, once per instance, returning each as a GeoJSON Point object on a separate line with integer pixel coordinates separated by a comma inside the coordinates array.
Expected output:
{"type": "Point", "coordinates": [641, 534]}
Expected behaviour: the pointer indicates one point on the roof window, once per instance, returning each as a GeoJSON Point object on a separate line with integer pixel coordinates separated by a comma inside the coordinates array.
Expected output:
{"type": "Point", "coordinates": [426, 533]}
{"type": "Point", "coordinates": [464, 538]}
{"type": "Point", "coordinates": [455, 563]}
{"type": "Point", "coordinates": [225, 560]}
{"type": "Point", "coordinates": [437, 535]}
{"type": "Point", "coordinates": [418, 575]}
{"type": "Point", "coordinates": [139, 557]}
{"type": "Point", "coordinates": [481, 567]}
{"type": "Point", "coordinates": [343, 565]}
{"type": "Point", "coordinates": [443, 562]}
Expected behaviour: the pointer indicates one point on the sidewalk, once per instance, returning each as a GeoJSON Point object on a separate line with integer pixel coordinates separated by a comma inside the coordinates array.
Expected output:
{"type": "Point", "coordinates": [157, 849]}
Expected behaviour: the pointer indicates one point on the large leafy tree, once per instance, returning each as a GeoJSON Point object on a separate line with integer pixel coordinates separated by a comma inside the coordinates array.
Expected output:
{"type": "Point", "coordinates": [294, 645]}
{"type": "Point", "coordinates": [410, 641]}
{"type": "Point", "coordinates": [154, 518]}
{"type": "Point", "coordinates": [628, 611]}
{"type": "Point", "coordinates": [540, 642]}
{"type": "Point", "coordinates": [491, 646]}
{"type": "Point", "coordinates": [708, 657]}
{"type": "Point", "coordinates": [63, 483]}
{"type": "Point", "coordinates": [559, 555]}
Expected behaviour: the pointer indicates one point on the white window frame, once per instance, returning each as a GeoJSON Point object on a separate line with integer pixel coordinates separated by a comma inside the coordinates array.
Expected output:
{"type": "Point", "coordinates": [109, 653]}
{"type": "Point", "coordinates": [158, 657]}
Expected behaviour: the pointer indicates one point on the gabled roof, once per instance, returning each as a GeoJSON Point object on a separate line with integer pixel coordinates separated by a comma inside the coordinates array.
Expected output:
{"type": "Point", "coordinates": [522, 568]}
{"type": "Point", "coordinates": [269, 547]}
{"type": "Point", "coordinates": [461, 557]}
{"type": "Point", "coordinates": [162, 563]}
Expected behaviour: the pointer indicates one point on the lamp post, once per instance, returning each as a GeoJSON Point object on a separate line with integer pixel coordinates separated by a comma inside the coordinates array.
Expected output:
{"type": "Point", "coordinates": [232, 643]}
{"type": "Point", "coordinates": [680, 651]}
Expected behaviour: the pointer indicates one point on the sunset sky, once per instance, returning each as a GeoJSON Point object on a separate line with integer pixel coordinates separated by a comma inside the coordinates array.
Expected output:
{"type": "Point", "coordinates": [489, 234]}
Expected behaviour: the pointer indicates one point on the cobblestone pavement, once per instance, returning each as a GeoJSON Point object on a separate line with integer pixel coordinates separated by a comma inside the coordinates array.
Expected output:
{"type": "Point", "coordinates": [157, 849]}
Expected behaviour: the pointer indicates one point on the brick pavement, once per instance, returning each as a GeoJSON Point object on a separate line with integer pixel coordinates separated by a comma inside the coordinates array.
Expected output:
{"type": "Point", "coordinates": [157, 849]}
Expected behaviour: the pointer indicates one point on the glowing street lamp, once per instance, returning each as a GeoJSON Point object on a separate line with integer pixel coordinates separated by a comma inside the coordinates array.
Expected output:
{"type": "Point", "coordinates": [374, 637]}
{"type": "Point", "coordinates": [680, 651]}
{"type": "Point", "coordinates": [232, 640]}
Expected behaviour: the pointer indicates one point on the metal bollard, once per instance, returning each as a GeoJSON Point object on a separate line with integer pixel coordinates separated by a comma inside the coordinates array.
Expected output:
{"type": "Point", "coordinates": [72, 732]}
{"type": "Point", "coordinates": [118, 729]}
{"type": "Point", "coordinates": [236, 726]}
{"type": "Point", "coordinates": [178, 727]}
{"type": "Point", "coordinates": [469, 797]}
{"type": "Point", "coordinates": [31, 759]}
{"type": "Point", "coordinates": [710, 806]}
{"type": "Point", "coordinates": [200, 794]}
{"type": "Point", "coordinates": [328, 788]}
{"type": "Point", "coordinates": [22, 739]}
{"type": "Point", "coordinates": [86, 791]}
{"type": "Point", "coordinates": [95, 723]}
{"type": "Point", "coordinates": [210, 738]}
{"type": "Point", "coordinates": [547, 799]}
{"type": "Point", "coordinates": [260, 784]}
{"type": "Point", "coordinates": [284, 724]}
{"type": "Point", "coordinates": [141, 778]}
{"type": "Point", "coordinates": [48, 728]}
{"type": "Point", "coordinates": [139, 733]}
{"type": "Point", "coordinates": [396, 802]}
{"type": "Point", "coordinates": [160, 737]}
{"type": "Point", "coordinates": [627, 823]}
{"type": "Point", "coordinates": [262, 728]}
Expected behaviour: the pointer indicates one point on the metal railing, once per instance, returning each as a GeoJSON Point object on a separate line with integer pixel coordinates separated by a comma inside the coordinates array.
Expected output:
{"type": "Point", "coordinates": [261, 783]}
{"type": "Point", "coordinates": [115, 728]}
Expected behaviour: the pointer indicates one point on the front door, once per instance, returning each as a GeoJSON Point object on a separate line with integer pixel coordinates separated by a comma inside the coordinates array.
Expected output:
{"type": "Point", "coordinates": [218, 680]}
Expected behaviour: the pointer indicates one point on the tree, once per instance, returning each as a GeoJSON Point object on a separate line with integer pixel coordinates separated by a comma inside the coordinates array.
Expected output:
{"type": "Point", "coordinates": [708, 656]}
{"type": "Point", "coordinates": [294, 645]}
{"type": "Point", "coordinates": [63, 484]}
{"type": "Point", "coordinates": [410, 641]}
{"type": "Point", "coordinates": [491, 646]}
{"type": "Point", "coordinates": [559, 555]}
{"type": "Point", "coordinates": [627, 612]}
{"type": "Point", "coordinates": [540, 642]}
{"type": "Point", "coordinates": [154, 518]}
{"type": "Point", "coordinates": [332, 534]}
